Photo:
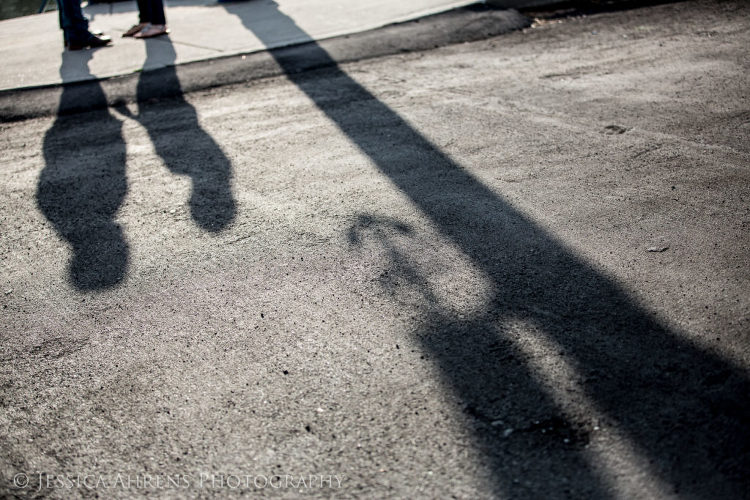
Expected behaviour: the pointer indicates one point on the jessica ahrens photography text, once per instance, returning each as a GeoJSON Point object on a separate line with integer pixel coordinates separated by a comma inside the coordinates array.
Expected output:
{"type": "Point", "coordinates": [240, 481]}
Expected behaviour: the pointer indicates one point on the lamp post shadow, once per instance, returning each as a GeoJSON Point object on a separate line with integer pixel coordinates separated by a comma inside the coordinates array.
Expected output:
{"type": "Point", "coordinates": [680, 407]}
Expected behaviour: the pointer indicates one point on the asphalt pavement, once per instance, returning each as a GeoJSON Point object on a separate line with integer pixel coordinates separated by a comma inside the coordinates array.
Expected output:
{"type": "Point", "coordinates": [480, 254]}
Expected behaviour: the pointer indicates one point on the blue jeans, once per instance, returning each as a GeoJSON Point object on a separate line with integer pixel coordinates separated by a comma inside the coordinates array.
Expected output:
{"type": "Point", "coordinates": [151, 11]}
{"type": "Point", "coordinates": [74, 24]}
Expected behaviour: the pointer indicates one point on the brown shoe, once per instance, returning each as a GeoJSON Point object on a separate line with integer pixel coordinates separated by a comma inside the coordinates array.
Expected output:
{"type": "Point", "coordinates": [135, 29]}
{"type": "Point", "coordinates": [153, 30]}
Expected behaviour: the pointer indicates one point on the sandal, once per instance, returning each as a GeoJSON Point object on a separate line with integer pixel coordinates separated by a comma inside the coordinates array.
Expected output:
{"type": "Point", "coordinates": [135, 29]}
{"type": "Point", "coordinates": [153, 30]}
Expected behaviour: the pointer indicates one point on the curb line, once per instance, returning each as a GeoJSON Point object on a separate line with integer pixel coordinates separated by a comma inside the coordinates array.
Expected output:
{"type": "Point", "coordinates": [465, 24]}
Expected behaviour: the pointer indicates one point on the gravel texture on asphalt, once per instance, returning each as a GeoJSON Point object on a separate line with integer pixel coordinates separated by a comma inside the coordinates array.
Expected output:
{"type": "Point", "coordinates": [515, 267]}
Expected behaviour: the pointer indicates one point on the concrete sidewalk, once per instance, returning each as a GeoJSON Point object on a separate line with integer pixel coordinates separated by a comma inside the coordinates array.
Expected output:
{"type": "Point", "coordinates": [460, 25]}
{"type": "Point", "coordinates": [200, 30]}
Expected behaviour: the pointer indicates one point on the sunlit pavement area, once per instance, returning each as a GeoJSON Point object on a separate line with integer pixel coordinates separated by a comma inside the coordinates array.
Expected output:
{"type": "Point", "coordinates": [200, 30]}
{"type": "Point", "coordinates": [516, 267]}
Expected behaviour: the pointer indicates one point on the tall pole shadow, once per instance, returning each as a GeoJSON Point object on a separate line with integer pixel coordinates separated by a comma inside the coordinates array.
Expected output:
{"type": "Point", "coordinates": [83, 182]}
{"type": "Point", "coordinates": [681, 407]}
{"type": "Point", "coordinates": [181, 142]}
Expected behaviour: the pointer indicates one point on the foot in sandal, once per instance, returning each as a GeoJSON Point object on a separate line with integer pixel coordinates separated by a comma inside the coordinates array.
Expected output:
{"type": "Point", "coordinates": [152, 30]}
{"type": "Point", "coordinates": [135, 29]}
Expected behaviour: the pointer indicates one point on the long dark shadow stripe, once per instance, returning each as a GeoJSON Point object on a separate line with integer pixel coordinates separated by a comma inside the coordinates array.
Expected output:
{"type": "Point", "coordinates": [682, 406]}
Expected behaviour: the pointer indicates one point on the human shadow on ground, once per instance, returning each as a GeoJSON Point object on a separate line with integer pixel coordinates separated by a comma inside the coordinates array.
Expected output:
{"type": "Point", "coordinates": [682, 408]}
{"type": "Point", "coordinates": [181, 142]}
{"type": "Point", "coordinates": [83, 182]}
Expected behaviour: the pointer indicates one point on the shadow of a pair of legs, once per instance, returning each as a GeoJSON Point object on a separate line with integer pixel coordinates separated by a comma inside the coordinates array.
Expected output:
{"type": "Point", "coordinates": [84, 180]}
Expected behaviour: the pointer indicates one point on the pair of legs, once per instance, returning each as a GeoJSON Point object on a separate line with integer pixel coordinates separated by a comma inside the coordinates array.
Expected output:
{"type": "Point", "coordinates": [151, 11]}
{"type": "Point", "coordinates": [75, 26]}
{"type": "Point", "coordinates": [152, 21]}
